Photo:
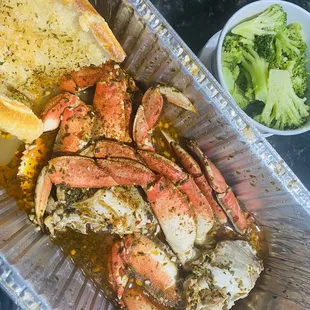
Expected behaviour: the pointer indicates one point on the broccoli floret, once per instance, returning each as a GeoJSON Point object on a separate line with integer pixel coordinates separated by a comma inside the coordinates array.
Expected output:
{"type": "Point", "coordinates": [299, 78]}
{"type": "Point", "coordinates": [295, 33]}
{"type": "Point", "coordinates": [291, 56]}
{"type": "Point", "coordinates": [232, 56]}
{"type": "Point", "coordinates": [283, 108]}
{"type": "Point", "coordinates": [230, 78]}
{"type": "Point", "coordinates": [299, 74]}
{"type": "Point", "coordinates": [244, 81]}
{"type": "Point", "coordinates": [289, 44]}
{"type": "Point", "coordinates": [240, 89]}
{"type": "Point", "coordinates": [240, 97]}
{"type": "Point", "coordinates": [234, 89]}
{"type": "Point", "coordinates": [257, 67]}
{"type": "Point", "coordinates": [269, 22]}
{"type": "Point", "coordinates": [231, 52]}
{"type": "Point", "coordinates": [265, 47]}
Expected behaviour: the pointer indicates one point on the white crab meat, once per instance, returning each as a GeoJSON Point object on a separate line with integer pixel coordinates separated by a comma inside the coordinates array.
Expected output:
{"type": "Point", "coordinates": [120, 210]}
{"type": "Point", "coordinates": [223, 276]}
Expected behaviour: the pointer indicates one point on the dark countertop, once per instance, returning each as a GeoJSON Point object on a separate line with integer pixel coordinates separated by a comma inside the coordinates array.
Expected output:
{"type": "Point", "coordinates": [196, 21]}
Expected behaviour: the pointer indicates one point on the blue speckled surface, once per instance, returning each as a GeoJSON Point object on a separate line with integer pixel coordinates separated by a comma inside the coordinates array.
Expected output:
{"type": "Point", "coordinates": [196, 21]}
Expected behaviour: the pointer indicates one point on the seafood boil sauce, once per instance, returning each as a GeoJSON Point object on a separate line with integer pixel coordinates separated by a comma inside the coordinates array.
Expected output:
{"type": "Point", "coordinates": [91, 252]}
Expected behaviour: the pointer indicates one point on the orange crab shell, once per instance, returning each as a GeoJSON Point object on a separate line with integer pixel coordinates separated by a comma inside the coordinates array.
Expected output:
{"type": "Point", "coordinates": [34, 158]}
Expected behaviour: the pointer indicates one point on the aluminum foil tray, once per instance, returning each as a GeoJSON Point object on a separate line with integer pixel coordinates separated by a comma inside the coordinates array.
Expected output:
{"type": "Point", "coordinates": [36, 274]}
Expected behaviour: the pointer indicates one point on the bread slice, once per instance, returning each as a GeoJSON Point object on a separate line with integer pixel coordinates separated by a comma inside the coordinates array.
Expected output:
{"type": "Point", "coordinates": [42, 40]}
{"type": "Point", "coordinates": [19, 120]}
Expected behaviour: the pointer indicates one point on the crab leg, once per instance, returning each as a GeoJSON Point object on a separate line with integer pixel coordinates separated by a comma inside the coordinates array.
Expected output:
{"type": "Point", "coordinates": [201, 208]}
{"type": "Point", "coordinates": [109, 104]}
{"type": "Point", "coordinates": [135, 299]}
{"type": "Point", "coordinates": [81, 172]}
{"type": "Point", "coordinates": [163, 166]}
{"type": "Point", "coordinates": [175, 216]}
{"type": "Point", "coordinates": [118, 276]}
{"type": "Point", "coordinates": [214, 176]}
{"type": "Point", "coordinates": [225, 196]}
{"type": "Point", "coordinates": [78, 172]}
{"type": "Point", "coordinates": [152, 266]}
{"type": "Point", "coordinates": [187, 186]}
{"type": "Point", "coordinates": [42, 192]}
{"type": "Point", "coordinates": [149, 112]}
{"type": "Point", "coordinates": [79, 80]}
{"type": "Point", "coordinates": [192, 167]}
{"type": "Point", "coordinates": [89, 76]}
{"type": "Point", "coordinates": [126, 171]}
{"type": "Point", "coordinates": [110, 149]}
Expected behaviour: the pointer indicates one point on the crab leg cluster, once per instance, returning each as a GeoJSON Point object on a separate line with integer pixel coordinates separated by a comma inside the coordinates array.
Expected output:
{"type": "Point", "coordinates": [224, 194]}
{"type": "Point", "coordinates": [185, 184]}
{"type": "Point", "coordinates": [96, 148]}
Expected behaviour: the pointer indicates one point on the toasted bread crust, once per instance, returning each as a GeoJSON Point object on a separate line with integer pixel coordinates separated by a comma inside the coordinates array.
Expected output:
{"type": "Point", "coordinates": [99, 28]}
{"type": "Point", "coordinates": [19, 120]}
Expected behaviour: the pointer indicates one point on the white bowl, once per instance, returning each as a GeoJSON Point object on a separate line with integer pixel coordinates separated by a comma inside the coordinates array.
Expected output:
{"type": "Point", "coordinates": [294, 14]}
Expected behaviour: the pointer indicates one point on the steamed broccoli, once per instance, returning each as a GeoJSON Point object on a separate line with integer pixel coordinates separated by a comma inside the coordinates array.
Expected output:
{"type": "Point", "coordinates": [299, 78]}
{"type": "Point", "coordinates": [265, 47]}
{"type": "Point", "coordinates": [241, 97]}
{"type": "Point", "coordinates": [298, 73]}
{"type": "Point", "coordinates": [264, 67]}
{"type": "Point", "coordinates": [269, 22]}
{"type": "Point", "coordinates": [257, 67]}
{"type": "Point", "coordinates": [283, 108]}
{"type": "Point", "coordinates": [291, 56]}
{"type": "Point", "coordinates": [231, 54]}
{"type": "Point", "coordinates": [290, 44]}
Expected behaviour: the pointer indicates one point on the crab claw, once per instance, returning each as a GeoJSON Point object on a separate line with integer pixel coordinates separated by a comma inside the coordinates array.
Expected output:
{"type": "Point", "coordinates": [146, 117]}
{"type": "Point", "coordinates": [153, 267]}
{"type": "Point", "coordinates": [175, 216]}
{"type": "Point", "coordinates": [74, 120]}
{"type": "Point", "coordinates": [177, 98]}
{"type": "Point", "coordinates": [230, 204]}
{"type": "Point", "coordinates": [149, 112]}
{"type": "Point", "coordinates": [192, 167]}
{"type": "Point", "coordinates": [81, 172]}
{"type": "Point", "coordinates": [51, 116]}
